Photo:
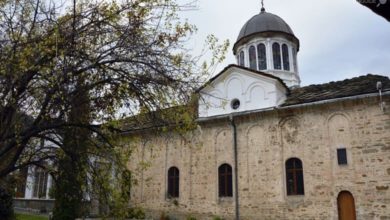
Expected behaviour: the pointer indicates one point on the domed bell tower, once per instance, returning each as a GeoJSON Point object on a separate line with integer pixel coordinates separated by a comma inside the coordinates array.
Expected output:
{"type": "Point", "coordinates": [266, 43]}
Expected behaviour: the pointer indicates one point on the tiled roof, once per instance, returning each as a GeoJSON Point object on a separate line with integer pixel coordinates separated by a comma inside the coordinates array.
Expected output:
{"type": "Point", "coordinates": [339, 89]}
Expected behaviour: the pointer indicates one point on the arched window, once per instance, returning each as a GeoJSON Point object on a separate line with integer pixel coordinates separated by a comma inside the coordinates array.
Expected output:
{"type": "Point", "coordinates": [252, 58]}
{"type": "Point", "coordinates": [276, 56]}
{"type": "Point", "coordinates": [294, 177]}
{"type": "Point", "coordinates": [242, 58]}
{"type": "Point", "coordinates": [173, 182]}
{"type": "Point", "coordinates": [225, 180]}
{"type": "Point", "coordinates": [261, 56]}
{"type": "Point", "coordinates": [286, 58]}
{"type": "Point", "coordinates": [294, 54]}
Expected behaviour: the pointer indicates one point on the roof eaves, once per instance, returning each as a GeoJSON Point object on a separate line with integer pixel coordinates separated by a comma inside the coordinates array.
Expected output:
{"type": "Point", "coordinates": [247, 69]}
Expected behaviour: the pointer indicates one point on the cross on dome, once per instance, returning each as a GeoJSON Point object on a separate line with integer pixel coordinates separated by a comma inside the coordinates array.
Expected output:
{"type": "Point", "coordinates": [262, 6]}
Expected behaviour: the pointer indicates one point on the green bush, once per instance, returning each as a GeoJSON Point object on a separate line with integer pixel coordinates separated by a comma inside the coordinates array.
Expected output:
{"type": "Point", "coordinates": [136, 212]}
{"type": "Point", "coordinates": [190, 217]}
{"type": "Point", "coordinates": [217, 218]}
{"type": "Point", "coordinates": [6, 202]}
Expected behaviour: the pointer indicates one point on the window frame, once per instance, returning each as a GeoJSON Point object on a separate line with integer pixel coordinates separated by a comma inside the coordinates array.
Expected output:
{"type": "Point", "coordinates": [296, 171]}
{"type": "Point", "coordinates": [259, 62]}
{"type": "Point", "coordinates": [173, 185]}
{"type": "Point", "coordinates": [285, 57]}
{"type": "Point", "coordinates": [40, 183]}
{"type": "Point", "coordinates": [225, 181]}
{"type": "Point", "coordinates": [242, 58]}
{"type": "Point", "coordinates": [276, 56]}
{"type": "Point", "coordinates": [342, 156]}
{"type": "Point", "coordinates": [294, 57]}
{"type": "Point", "coordinates": [252, 62]}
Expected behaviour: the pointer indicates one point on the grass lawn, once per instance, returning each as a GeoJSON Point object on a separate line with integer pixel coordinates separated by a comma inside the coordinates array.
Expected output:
{"type": "Point", "coordinates": [30, 217]}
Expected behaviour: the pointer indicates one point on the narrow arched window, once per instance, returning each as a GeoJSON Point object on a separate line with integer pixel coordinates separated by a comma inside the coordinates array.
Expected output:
{"type": "Point", "coordinates": [242, 58]}
{"type": "Point", "coordinates": [294, 54]}
{"type": "Point", "coordinates": [261, 57]}
{"type": "Point", "coordinates": [294, 177]}
{"type": "Point", "coordinates": [252, 58]}
{"type": "Point", "coordinates": [276, 56]}
{"type": "Point", "coordinates": [286, 58]}
{"type": "Point", "coordinates": [173, 182]}
{"type": "Point", "coordinates": [225, 180]}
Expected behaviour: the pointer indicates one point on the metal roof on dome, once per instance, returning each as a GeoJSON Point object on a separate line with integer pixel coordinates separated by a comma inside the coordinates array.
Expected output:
{"type": "Point", "coordinates": [264, 22]}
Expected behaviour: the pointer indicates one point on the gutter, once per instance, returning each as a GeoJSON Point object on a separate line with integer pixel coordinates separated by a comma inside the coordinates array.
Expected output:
{"type": "Point", "coordinates": [234, 127]}
{"type": "Point", "coordinates": [368, 95]}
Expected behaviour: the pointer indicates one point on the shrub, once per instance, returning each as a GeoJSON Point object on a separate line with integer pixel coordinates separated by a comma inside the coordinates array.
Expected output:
{"type": "Point", "coordinates": [6, 202]}
{"type": "Point", "coordinates": [190, 217]}
{"type": "Point", "coordinates": [217, 218]}
{"type": "Point", "coordinates": [136, 212]}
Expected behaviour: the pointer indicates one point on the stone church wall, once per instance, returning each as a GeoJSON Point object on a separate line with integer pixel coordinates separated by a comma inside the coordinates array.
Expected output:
{"type": "Point", "coordinates": [266, 140]}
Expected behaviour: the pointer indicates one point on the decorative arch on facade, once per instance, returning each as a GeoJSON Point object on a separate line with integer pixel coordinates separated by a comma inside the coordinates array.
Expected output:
{"type": "Point", "coordinates": [339, 130]}
{"type": "Point", "coordinates": [147, 151]}
{"type": "Point", "coordinates": [256, 141]}
{"type": "Point", "coordinates": [222, 145]}
{"type": "Point", "coordinates": [216, 99]}
{"type": "Point", "coordinates": [339, 137]}
{"type": "Point", "coordinates": [289, 129]}
{"type": "Point", "coordinates": [229, 81]}
{"type": "Point", "coordinates": [250, 93]}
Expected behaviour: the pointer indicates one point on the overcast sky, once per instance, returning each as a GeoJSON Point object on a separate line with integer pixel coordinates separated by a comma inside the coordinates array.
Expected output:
{"type": "Point", "coordinates": [338, 39]}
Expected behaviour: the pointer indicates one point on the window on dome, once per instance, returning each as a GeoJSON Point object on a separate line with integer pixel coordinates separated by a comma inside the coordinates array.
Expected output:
{"type": "Point", "coordinates": [242, 58]}
{"type": "Point", "coordinates": [276, 56]}
{"type": "Point", "coordinates": [252, 57]}
{"type": "Point", "coordinates": [286, 58]}
{"type": "Point", "coordinates": [261, 56]}
{"type": "Point", "coordinates": [294, 54]}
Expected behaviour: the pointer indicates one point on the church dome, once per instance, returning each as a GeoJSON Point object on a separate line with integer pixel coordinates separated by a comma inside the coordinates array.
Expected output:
{"type": "Point", "coordinates": [266, 43]}
{"type": "Point", "coordinates": [264, 22]}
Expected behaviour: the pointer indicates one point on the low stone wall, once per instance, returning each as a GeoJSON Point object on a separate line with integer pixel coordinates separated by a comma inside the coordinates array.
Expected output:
{"type": "Point", "coordinates": [34, 205]}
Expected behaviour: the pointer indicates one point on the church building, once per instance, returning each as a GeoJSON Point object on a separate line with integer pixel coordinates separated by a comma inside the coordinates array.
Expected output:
{"type": "Point", "coordinates": [267, 148]}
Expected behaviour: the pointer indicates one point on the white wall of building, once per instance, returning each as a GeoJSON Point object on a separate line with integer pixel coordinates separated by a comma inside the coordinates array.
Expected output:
{"type": "Point", "coordinates": [253, 90]}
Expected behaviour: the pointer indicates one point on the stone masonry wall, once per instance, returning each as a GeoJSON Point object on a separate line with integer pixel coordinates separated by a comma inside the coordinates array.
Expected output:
{"type": "Point", "coordinates": [265, 141]}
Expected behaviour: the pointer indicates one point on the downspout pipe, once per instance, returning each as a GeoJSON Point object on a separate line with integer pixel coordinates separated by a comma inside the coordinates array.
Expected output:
{"type": "Point", "coordinates": [234, 127]}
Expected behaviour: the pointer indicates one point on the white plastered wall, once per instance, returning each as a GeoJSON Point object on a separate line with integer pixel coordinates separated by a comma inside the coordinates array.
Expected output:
{"type": "Point", "coordinates": [254, 91]}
